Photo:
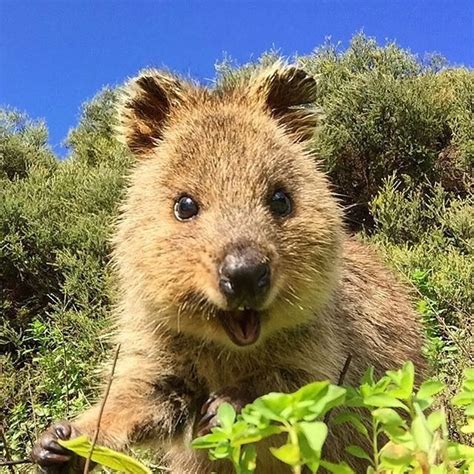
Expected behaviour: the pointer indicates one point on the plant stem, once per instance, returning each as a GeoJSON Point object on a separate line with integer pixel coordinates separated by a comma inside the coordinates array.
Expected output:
{"type": "Point", "coordinates": [375, 444]}
{"type": "Point", "coordinates": [293, 435]}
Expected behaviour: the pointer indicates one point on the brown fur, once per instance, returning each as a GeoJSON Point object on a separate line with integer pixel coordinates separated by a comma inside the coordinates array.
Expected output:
{"type": "Point", "coordinates": [330, 295]}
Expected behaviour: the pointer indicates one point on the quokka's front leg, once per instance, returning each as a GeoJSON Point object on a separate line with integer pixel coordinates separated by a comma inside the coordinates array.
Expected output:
{"type": "Point", "coordinates": [135, 410]}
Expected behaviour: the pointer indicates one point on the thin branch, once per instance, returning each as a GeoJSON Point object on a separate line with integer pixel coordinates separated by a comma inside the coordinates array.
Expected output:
{"type": "Point", "coordinates": [101, 411]}
{"type": "Point", "coordinates": [66, 378]}
{"type": "Point", "coordinates": [7, 451]}
{"type": "Point", "coordinates": [345, 369]}
{"type": "Point", "coordinates": [35, 424]}
{"type": "Point", "coordinates": [32, 444]}
{"type": "Point", "coordinates": [340, 381]}
{"type": "Point", "coordinates": [14, 463]}
{"type": "Point", "coordinates": [440, 320]}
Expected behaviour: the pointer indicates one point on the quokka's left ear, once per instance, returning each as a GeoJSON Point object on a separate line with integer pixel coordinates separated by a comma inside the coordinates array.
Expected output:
{"type": "Point", "coordinates": [288, 93]}
{"type": "Point", "coordinates": [147, 103]}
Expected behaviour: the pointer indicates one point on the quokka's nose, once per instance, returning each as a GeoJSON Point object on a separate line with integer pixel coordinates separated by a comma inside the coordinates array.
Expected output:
{"type": "Point", "coordinates": [244, 278]}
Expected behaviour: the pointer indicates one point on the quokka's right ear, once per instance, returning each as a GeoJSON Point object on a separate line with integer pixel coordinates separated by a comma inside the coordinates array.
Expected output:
{"type": "Point", "coordinates": [289, 94]}
{"type": "Point", "coordinates": [146, 105]}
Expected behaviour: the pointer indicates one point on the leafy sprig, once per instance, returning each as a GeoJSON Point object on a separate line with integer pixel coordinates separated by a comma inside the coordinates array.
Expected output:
{"type": "Point", "coordinates": [379, 410]}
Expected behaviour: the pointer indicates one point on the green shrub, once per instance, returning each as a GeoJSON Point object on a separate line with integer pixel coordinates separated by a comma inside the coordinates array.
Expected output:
{"type": "Point", "coordinates": [385, 113]}
{"type": "Point", "coordinates": [56, 219]}
{"type": "Point", "coordinates": [403, 433]}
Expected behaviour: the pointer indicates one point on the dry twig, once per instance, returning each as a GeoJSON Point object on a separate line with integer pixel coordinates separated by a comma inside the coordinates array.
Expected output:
{"type": "Point", "coordinates": [15, 462]}
{"type": "Point", "coordinates": [101, 411]}
{"type": "Point", "coordinates": [340, 381]}
{"type": "Point", "coordinates": [7, 451]}
{"type": "Point", "coordinates": [32, 403]}
{"type": "Point", "coordinates": [66, 378]}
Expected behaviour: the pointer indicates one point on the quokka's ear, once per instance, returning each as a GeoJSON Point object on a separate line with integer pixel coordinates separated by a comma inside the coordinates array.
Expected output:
{"type": "Point", "coordinates": [146, 104]}
{"type": "Point", "coordinates": [288, 93]}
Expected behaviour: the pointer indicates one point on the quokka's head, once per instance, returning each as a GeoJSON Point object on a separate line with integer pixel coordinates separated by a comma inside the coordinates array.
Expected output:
{"type": "Point", "coordinates": [229, 231]}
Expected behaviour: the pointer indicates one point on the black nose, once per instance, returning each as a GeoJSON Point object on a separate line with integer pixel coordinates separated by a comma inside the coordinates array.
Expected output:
{"type": "Point", "coordinates": [244, 279]}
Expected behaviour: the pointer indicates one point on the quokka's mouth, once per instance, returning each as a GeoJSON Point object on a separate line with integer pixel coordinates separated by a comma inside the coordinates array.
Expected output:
{"type": "Point", "coordinates": [241, 325]}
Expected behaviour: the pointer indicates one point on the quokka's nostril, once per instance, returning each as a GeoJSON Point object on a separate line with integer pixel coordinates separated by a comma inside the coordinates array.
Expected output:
{"type": "Point", "coordinates": [244, 279]}
{"type": "Point", "coordinates": [226, 286]}
{"type": "Point", "coordinates": [263, 280]}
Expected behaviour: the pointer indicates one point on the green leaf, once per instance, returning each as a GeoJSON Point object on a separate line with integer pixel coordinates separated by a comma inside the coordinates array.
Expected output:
{"type": "Point", "coordinates": [226, 416]}
{"type": "Point", "coordinates": [368, 377]}
{"type": "Point", "coordinates": [468, 385]}
{"type": "Point", "coordinates": [315, 433]}
{"type": "Point", "coordinates": [457, 452]}
{"type": "Point", "coordinates": [341, 468]}
{"type": "Point", "coordinates": [463, 398]}
{"type": "Point", "coordinates": [271, 406]}
{"type": "Point", "coordinates": [429, 388]}
{"type": "Point", "coordinates": [252, 416]}
{"type": "Point", "coordinates": [435, 420]}
{"type": "Point", "coordinates": [396, 455]}
{"type": "Point", "coordinates": [353, 418]}
{"type": "Point", "coordinates": [469, 410]}
{"type": "Point", "coordinates": [105, 456]}
{"type": "Point", "coordinates": [354, 399]}
{"type": "Point", "coordinates": [469, 428]}
{"type": "Point", "coordinates": [288, 453]}
{"type": "Point", "coordinates": [211, 440]}
{"type": "Point", "coordinates": [469, 373]}
{"type": "Point", "coordinates": [404, 378]}
{"type": "Point", "coordinates": [381, 400]}
{"type": "Point", "coordinates": [248, 460]}
{"type": "Point", "coordinates": [221, 452]}
{"type": "Point", "coordinates": [251, 435]}
{"type": "Point", "coordinates": [421, 432]}
{"type": "Point", "coordinates": [388, 417]}
{"type": "Point", "coordinates": [333, 397]}
{"type": "Point", "coordinates": [310, 391]}
{"type": "Point", "coordinates": [358, 452]}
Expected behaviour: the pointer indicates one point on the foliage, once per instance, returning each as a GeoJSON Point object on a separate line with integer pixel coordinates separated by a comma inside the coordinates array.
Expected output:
{"type": "Point", "coordinates": [104, 456]}
{"type": "Point", "coordinates": [426, 235]}
{"type": "Point", "coordinates": [385, 113]}
{"type": "Point", "coordinates": [399, 425]}
{"type": "Point", "coordinates": [397, 142]}
{"type": "Point", "coordinates": [22, 145]}
{"type": "Point", "coordinates": [56, 285]}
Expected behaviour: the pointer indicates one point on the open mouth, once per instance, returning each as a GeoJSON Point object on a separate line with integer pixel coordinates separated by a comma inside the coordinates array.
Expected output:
{"type": "Point", "coordinates": [241, 325]}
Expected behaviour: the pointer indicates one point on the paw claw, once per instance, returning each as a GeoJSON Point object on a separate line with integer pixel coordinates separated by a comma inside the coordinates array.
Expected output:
{"type": "Point", "coordinates": [47, 452]}
{"type": "Point", "coordinates": [63, 430]}
{"type": "Point", "coordinates": [208, 402]}
{"type": "Point", "coordinates": [236, 397]}
{"type": "Point", "coordinates": [204, 420]}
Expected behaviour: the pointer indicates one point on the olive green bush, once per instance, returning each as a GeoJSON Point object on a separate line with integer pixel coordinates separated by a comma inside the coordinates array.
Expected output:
{"type": "Point", "coordinates": [56, 218]}
{"type": "Point", "coordinates": [385, 113]}
{"type": "Point", "coordinates": [397, 141]}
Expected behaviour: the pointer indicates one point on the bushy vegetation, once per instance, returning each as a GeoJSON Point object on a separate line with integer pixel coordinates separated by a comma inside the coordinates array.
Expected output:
{"type": "Point", "coordinates": [397, 141]}
{"type": "Point", "coordinates": [390, 415]}
{"type": "Point", "coordinates": [56, 286]}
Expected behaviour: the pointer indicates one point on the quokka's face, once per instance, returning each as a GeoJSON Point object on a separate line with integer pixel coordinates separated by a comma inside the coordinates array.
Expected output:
{"type": "Point", "coordinates": [229, 232]}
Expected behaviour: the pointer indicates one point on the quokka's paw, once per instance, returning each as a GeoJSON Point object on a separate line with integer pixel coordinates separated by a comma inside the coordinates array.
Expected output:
{"type": "Point", "coordinates": [235, 396]}
{"type": "Point", "coordinates": [50, 456]}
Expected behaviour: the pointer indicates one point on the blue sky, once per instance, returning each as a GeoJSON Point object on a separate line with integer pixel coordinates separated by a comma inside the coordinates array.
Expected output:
{"type": "Point", "coordinates": [56, 54]}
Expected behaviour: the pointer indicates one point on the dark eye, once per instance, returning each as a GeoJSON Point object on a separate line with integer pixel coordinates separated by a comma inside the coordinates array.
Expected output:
{"type": "Point", "coordinates": [185, 208]}
{"type": "Point", "coordinates": [280, 203]}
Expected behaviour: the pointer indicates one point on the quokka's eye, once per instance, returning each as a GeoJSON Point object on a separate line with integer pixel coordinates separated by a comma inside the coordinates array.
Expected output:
{"type": "Point", "coordinates": [185, 208]}
{"type": "Point", "coordinates": [280, 203]}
